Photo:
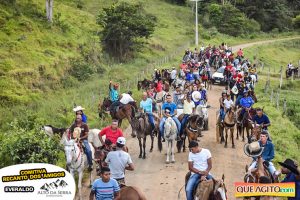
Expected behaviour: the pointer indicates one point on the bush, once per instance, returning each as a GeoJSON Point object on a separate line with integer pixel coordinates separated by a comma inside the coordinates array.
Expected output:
{"type": "Point", "coordinates": [80, 69]}
{"type": "Point", "coordinates": [296, 22]}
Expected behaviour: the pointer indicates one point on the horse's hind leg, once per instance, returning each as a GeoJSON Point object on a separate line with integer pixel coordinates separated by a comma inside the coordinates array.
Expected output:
{"type": "Point", "coordinates": [226, 137]}
{"type": "Point", "coordinates": [80, 175]}
{"type": "Point", "coordinates": [140, 144]}
{"type": "Point", "coordinates": [232, 136]}
{"type": "Point", "coordinates": [173, 153]}
{"type": "Point", "coordinates": [237, 131]}
{"type": "Point", "coordinates": [152, 140]}
{"type": "Point", "coordinates": [144, 147]}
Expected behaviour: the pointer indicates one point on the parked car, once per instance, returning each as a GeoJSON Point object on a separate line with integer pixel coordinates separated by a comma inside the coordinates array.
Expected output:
{"type": "Point", "coordinates": [218, 76]}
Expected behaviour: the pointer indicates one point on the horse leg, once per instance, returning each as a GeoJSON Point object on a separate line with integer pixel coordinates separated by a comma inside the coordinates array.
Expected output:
{"type": "Point", "coordinates": [173, 153]}
{"type": "Point", "coordinates": [237, 131]}
{"type": "Point", "coordinates": [168, 152]}
{"type": "Point", "coordinates": [183, 145]}
{"type": "Point", "coordinates": [140, 144]}
{"type": "Point", "coordinates": [80, 175]}
{"type": "Point", "coordinates": [226, 136]}
{"type": "Point", "coordinates": [152, 140]}
{"type": "Point", "coordinates": [232, 136]}
{"type": "Point", "coordinates": [144, 146]}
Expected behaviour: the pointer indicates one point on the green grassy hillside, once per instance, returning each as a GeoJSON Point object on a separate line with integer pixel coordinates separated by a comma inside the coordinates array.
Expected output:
{"type": "Point", "coordinates": [284, 129]}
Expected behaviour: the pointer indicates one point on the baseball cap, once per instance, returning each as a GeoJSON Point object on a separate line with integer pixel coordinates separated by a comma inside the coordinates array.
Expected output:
{"type": "Point", "coordinates": [121, 140]}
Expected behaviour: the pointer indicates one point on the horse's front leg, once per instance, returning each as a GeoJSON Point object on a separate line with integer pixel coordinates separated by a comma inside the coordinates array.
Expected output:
{"type": "Point", "coordinates": [144, 146]}
{"type": "Point", "coordinates": [226, 137]}
{"type": "Point", "coordinates": [152, 140]}
{"type": "Point", "coordinates": [168, 152]}
{"type": "Point", "coordinates": [237, 131]}
{"type": "Point", "coordinates": [80, 175]}
{"type": "Point", "coordinates": [243, 133]}
{"type": "Point", "coordinates": [232, 136]}
{"type": "Point", "coordinates": [140, 144]}
{"type": "Point", "coordinates": [173, 153]}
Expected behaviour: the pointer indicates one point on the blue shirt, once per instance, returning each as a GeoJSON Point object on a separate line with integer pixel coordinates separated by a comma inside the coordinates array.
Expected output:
{"type": "Point", "coordinates": [113, 94]}
{"type": "Point", "coordinates": [172, 106]}
{"type": "Point", "coordinates": [263, 119]}
{"type": "Point", "coordinates": [268, 152]}
{"type": "Point", "coordinates": [146, 105]}
{"type": "Point", "coordinates": [203, 94]}
{"type": "Point", "coordinates": [84, 118]}
{"type": "Point", "coordinates": [105, 191]}
{"type": "Point", "coordinates": [291, 177]}
{"type": "Point", "coordinates": [246, 102]}
{"type": "Point", "coordinates": [189, 77]}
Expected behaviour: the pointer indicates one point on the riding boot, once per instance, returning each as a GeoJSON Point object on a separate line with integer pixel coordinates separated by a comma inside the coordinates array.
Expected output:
{"type": "Point", "coordinates": [178, 138]}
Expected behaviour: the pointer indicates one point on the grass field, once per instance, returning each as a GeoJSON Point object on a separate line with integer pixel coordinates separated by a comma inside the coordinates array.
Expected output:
{"type": "Point", "coordinates": [285, 130]}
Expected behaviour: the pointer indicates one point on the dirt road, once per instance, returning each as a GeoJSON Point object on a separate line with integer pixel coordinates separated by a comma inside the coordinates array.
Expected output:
{"type": "Point", "coordinates": [160, 181]}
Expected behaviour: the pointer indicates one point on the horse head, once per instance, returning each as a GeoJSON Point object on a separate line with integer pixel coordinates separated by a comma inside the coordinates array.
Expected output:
{"type": "Point", "coordinates": [220, 190]}
{"type": "Point", "coordinates": [255, 133]}
{"type": "Point", "coordinates": [51, 130]}
{"type": "Point", "coordinates": [71, 150]}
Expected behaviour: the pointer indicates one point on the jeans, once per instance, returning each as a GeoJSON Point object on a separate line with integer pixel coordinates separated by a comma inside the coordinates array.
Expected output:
{"type": "Point", "coordinates": [271, 167]}
{"type": "Point", "coordinates": [151, 120]}
{"type": "Point", "coordinates": [222, 113]}
{"type": "Point", "coordinates": [183, 122]}
{"type": "Point", "coordinates": [88, 152]}
{"type": "Point", "coordinates": [162, 122]}
{"type": "Point", "coordinates": [192, 183]}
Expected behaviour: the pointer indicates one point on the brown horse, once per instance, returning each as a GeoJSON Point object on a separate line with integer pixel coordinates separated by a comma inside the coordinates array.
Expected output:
{"type": "Point", "coordinates": [245, 124]}
{"type": "Point", "coordinates": [229, 123]}
{"type": "Point", "coordinates": [210, 189]}
{"type": "Point", "coordinates": [142, 128]}
{"type": "Point", "coordinates": [144, 84]}
{"type": "Point", "coordinates": [131, 193]}
{"type": "Point", "coordinates": [191, 130]}
{"type": "Point", "coordinates": [255, 133]}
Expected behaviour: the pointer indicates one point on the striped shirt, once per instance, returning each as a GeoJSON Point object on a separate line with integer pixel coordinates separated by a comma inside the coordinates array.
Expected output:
{"type": "Point", "coordinates": [105, 191]}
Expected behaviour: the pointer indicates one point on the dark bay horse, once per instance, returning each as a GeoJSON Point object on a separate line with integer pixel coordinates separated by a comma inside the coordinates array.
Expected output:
{"type": "Point", "coordinates": [124, 112]}
{"type": "Point", "coordinates": [144, 84]}
{"type": "Point", "coordinates": [255, 133]}
{"type": "Point", "coordinates": [191, 130]}
{"type": "Point", "coordinates": [229, 124]}
{"type": "Point", "coordinates": [245, 124]}
{"type": "Point", "coordinates": [131, 193]}
{"type": "Point", "coordinates": [142, 128]}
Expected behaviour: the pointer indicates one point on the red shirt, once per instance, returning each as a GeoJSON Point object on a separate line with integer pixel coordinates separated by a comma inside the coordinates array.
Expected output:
{"type": "Point", "coordinates": [112, 135]}
{"type": "Point", "coordinates": [159, 87]}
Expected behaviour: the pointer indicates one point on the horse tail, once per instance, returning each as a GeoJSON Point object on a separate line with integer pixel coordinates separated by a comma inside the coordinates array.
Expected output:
{"type": "Point", "coordinates": [159, 143]}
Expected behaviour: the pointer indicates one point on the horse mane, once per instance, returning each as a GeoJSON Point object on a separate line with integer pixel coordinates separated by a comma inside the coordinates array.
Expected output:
{"type": "Point", "coordinates": [140, 195]}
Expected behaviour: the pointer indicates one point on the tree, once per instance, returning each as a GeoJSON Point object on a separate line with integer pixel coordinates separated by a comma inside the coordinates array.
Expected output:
{"type": "Point", "coordinates": [49, 10]}
{"type": "Point", "coordinates": [296, 22]}
{"type": "Point", "coordinates": [125, 26]}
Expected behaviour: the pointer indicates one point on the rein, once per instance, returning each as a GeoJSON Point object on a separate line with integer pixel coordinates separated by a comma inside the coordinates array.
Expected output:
{"type": "Point", "coordinates": [77, 158]}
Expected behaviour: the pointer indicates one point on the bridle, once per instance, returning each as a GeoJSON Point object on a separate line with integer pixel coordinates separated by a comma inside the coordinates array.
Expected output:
{"type": "Point", "coordinates": [77, 157]}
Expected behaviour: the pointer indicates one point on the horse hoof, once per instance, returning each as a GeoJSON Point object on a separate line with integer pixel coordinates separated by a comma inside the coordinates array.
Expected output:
{"type": "Point", "coordinates": [167, 162]}
{"type": "Point", "coordinates": [144, 157]}
{"type": "Point", "coordinates": [225, 145]}
{"type": "Point", "coordinates": [173, 161]}
{"type": "Point", "coordinates": [151, 150]}
{"type": "Point", "coordinates": [233, 146]}
{"type": "Point", "coordinates": [140, 156]}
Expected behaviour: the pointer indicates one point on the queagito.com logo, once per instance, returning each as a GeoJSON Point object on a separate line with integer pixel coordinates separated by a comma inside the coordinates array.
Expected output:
{"type": "Point", "coordinates": [259, 189]}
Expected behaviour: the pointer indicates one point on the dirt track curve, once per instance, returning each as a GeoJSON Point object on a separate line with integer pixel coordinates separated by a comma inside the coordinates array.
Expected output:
{"type": "Point", "coordinates": [160, 181]}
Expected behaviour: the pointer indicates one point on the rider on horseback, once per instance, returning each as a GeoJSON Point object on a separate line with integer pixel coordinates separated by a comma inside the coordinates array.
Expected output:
{"type": "Point", "coordinates": [267, 154]}
{"type": "Point", "coordinates": [246, 103]}
{"type": "Point", "coordinates": [146, 106]}
{"type": "Point", "coordinates": [199, 163]}
{"type": "Point", "coordinates": [111, 132]}
{"type": "Point", "coordinates": [119, 161]}
{"type": "Point", "coordinates": [113, 95]}
{"type": "Point", "coordinates": [188, 109]}
{"type": "Point", "coordinates": [222, 109]}
{"type": "Point", "coordinates": [83, 138]}
{"type": "Point", "coordinates": [79, 111]}
{"type": "Point", "coordinates": [261, 119]}
{"type": "Point", "coordinates": [169, 110]}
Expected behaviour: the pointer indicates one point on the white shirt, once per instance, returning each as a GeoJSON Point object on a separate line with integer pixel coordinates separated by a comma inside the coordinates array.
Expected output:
{"type": "Point", "coordinates": [173, 74]}
{"type": "Point", "coordinates": [227, 103]}
{"type": "Point", "coordinates": [117, 161]}
{"type": "Point", "coordinates": [188, 107]}
{"type": "Point", "coordinates": [126, 98]}
{"type": "Point", "coordinates": [200, 159]}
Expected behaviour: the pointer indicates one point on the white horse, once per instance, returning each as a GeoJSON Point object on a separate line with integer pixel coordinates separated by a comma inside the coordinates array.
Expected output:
{"type": "Point", "coordinates": [76, 161]}
{"type": "Point", "coordinates": [170, 133]}
{"type": "Point", "coordinates": [201, 110]}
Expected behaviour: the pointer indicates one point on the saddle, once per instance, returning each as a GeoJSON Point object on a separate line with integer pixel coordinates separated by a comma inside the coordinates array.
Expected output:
{"type": "Point", "coordinates": [205, 189]}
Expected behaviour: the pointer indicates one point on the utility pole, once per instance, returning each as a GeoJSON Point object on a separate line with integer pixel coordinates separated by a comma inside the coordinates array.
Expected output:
{"type": "Point", "coordinates": [196, 22]}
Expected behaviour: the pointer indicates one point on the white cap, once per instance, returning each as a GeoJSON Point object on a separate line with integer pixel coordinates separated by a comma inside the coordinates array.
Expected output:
{"type": "Point", "coordinates": [121, 140]}
{"type": "Point", "coordinates": [77, 108]}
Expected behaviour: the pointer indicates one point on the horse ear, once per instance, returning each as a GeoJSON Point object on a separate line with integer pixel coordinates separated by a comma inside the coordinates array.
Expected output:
{"type": "Point", "coordinates": [223, 177]}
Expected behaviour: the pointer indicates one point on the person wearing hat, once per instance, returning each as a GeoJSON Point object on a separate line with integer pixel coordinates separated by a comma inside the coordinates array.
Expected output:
{"type": "Point", "coordinates": [111, 132]}
{"type": "Point", "coordinates": [199, 164]}
{"type": "Point", "coordinates": [188, 109]}
{"type": "Point", "coordinates": [105, 187]}
{"type": "Point", "coordinates": [79, 111]}
{"type": "Point", "coordinates": [245, 103]}
{"type": "Point", "coordinates": [119, 161]}
{"type": "Point", "coordinates": [83, 137]}
{"type": "Point", "coordinates": [203, 93]}
{"type": "Point", "coordinates": [263, 148]}
{"type": "Point", "coordinates": [169, 109]}
{"type": "Point", "coordinates": [292, 174]}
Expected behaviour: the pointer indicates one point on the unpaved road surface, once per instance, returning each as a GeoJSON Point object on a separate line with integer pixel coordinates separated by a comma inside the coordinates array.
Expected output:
{"type": "Point", "coordinates": [160, 181]}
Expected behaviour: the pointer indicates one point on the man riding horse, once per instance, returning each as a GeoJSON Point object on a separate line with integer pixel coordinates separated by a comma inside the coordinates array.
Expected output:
{"type": "Point", "coordinates": [169, 110]}
{"type": "Point", "coordinates": [146, 107]}
{"type": "Point", "coordinates": [245, 103]}
{"type": "Point", "coordinates": [267, 154]}
{"type": "Point", "coordinates": [188, 109]}
{"type": "Point", "coordinates": [200, 164]}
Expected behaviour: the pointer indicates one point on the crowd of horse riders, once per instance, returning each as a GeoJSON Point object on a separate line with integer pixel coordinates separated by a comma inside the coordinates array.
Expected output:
{"type": "Point", "coordinates": [177, 94]}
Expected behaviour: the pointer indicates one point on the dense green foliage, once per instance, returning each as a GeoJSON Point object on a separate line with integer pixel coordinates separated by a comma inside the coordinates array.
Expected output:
{"type": "Point", "coordinates": [24, 142]}
{"type": "Point", "coordinates": [124, 25]}
{"type": "Point", "coordinates": [296, 22]}
{"type": "Point", "coordinates": [229, 20]}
